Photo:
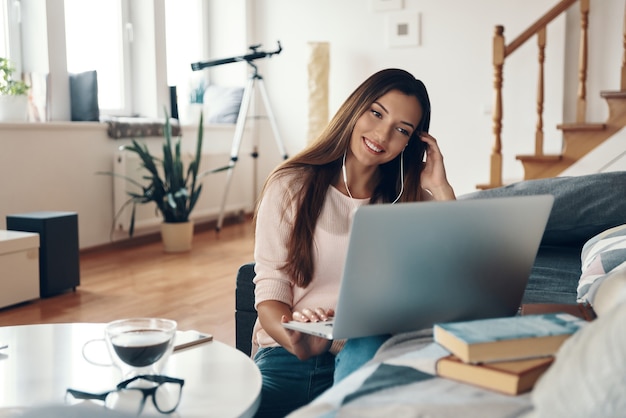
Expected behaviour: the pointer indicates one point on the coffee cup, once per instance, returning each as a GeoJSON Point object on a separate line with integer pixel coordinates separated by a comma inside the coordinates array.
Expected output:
{"type": "Point", "coordinates": [137, 346]}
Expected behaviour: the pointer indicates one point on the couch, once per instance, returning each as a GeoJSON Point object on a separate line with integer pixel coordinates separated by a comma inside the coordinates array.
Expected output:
{"type": "Point", "coordinates": [584, 207]}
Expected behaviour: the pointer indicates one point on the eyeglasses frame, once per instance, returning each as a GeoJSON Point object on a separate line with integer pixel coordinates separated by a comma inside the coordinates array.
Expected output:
{"type": "Point", "coordinates": [147, 392]}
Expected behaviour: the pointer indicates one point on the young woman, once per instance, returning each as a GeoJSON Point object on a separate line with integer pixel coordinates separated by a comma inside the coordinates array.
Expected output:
{"type": "Point", "coordinates": [375, 150]}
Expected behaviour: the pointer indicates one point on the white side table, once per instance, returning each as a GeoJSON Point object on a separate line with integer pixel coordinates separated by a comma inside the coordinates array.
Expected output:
{"type": "Point", "coordinates": [43, 360]}
{"type": "Point", "coordinates": [19, 267]}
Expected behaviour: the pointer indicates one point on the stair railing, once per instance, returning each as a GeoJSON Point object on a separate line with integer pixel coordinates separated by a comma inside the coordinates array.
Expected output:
{"type": "Point", "coordinates": [501, 51]}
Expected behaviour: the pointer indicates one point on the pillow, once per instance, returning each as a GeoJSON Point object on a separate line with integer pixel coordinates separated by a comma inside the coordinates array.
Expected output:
{"type": "Point", "coordinates": [583, 205]}
{"type": "Point", "coordinates": [84, 96]}
{"type": "Point", "coordinates": [588, 377]}
{"type": "Point", "coordinates": [222, 103]}
{"type": "Point", "coordinates": [611, 292]}
{"type": "Point", "coordinates": [601, 255]}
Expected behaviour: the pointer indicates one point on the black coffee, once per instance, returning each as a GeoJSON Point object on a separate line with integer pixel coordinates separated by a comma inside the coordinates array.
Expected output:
{"type": "Point", "coordinates": [140, 348]}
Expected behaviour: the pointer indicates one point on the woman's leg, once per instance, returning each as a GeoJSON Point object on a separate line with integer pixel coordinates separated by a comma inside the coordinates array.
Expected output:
{"type": "Point", "coordinates": [355, 353]}
{"type": "Point", "coordinates": [289, 383]}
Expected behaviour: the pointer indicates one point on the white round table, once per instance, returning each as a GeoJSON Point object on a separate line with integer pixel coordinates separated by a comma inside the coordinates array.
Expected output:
{"type": "Point", "coordinates": [43, 360]}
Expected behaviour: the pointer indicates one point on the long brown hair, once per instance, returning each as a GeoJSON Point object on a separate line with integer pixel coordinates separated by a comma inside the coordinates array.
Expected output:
{"type": "Point", "coordinates": [318, 165]}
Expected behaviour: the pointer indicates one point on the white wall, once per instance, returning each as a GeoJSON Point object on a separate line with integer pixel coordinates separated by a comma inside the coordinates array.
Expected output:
{"type": "Point", "coordinates": [53, 166]}
{"type": "Point", "coordinates": [455, 62]}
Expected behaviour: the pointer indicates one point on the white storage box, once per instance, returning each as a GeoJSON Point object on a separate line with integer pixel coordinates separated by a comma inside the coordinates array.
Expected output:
{"type": "Point", "coordinates": [19, 267]}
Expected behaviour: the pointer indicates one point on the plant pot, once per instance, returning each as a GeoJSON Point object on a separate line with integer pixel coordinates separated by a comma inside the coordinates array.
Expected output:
{"type": "Point", "coordinates": [177, 237]}
{"type": "Point", "coordinates": [13, 108]}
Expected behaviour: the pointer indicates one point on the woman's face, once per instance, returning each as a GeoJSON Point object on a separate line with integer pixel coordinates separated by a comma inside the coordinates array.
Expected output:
{"type": "Point", "coordinates": [382, 132]}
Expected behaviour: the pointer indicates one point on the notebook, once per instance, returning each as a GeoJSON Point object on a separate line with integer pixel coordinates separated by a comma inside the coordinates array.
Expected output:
{"type": "Point", "coordinates": [410, 265]}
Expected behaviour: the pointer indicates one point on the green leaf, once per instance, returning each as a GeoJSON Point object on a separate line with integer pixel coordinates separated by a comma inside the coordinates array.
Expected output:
{"type": "Point", "coordinates": [174, 188]}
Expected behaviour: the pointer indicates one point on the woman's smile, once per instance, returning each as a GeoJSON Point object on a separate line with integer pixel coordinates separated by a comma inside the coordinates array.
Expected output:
{"type": "Point", "coordinates": [372, 146]}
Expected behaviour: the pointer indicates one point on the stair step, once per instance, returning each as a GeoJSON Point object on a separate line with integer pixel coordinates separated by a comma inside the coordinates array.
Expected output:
{"type": "Point", "coordinates": [617, 94]}
{"type": "Point", "coordinates": [587, 127]}
{"type": "Point", "coordinates": [487, 186]}
{"type": "Point", "coordinates": [578, 139]}
{"type": "Point", "coordinates": [539, 158]}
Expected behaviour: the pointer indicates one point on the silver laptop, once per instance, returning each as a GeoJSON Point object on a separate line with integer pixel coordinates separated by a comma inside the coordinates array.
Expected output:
{"type": "Point", "coordinates": [411, 265]}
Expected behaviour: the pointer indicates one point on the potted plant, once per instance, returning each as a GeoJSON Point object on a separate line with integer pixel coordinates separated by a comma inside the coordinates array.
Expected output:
{"type": "Point", "coordinates": [173, 188]}
{"type": "Point", "coordinates": [13, 94]}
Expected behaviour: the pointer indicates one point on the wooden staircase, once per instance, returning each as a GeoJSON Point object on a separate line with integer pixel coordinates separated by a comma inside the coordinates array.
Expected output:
{"type": "Point", "coordinates": [579, 138]}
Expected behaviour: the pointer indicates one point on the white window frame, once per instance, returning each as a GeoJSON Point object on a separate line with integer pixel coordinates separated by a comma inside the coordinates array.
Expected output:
{"type": "Point", "coordinates": [124, 91]}
{"type": "Point", "coordinates": [145, 66]}
{"type": "Point", "coordinates": [12, 10]}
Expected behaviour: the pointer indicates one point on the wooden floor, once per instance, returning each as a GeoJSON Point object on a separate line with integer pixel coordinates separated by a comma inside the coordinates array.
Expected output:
{"type": "Point", "coordinates": [197, 289]}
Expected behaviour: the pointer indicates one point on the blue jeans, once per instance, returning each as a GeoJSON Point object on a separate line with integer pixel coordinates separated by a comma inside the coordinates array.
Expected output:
{"type": "Point", "coordinates": [289, 383]}
{"type": "Point", "coordinates": [356, 353]}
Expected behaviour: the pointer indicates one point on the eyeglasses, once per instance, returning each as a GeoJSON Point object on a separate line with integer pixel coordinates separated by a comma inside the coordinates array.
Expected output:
{"type": "Point", "coordinates": [165, 392]}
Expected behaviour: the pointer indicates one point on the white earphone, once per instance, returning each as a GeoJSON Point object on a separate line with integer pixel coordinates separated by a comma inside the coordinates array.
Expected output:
{"type": "Point", "coordinates": [345, 175]}
{"type": "Point", "coordinates": [401, 176]}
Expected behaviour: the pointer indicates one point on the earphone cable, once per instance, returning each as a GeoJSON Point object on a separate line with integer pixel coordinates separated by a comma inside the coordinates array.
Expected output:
{"type": "Point", "coordinates": [345, 176]}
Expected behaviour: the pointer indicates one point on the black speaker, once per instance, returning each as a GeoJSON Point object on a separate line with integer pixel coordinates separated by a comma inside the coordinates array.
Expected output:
{"type": "Point", "coordinates": [59, 263]}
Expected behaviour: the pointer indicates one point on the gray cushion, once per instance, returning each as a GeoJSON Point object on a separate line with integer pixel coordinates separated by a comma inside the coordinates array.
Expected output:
{"type": "Point", "coordinates": [583, 206]}
{"type": "Point", "coordinates": [554, 275]}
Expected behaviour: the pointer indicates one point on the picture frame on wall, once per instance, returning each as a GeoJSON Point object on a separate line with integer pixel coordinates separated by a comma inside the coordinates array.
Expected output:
{"type": "Point", "coordinates": [403, 29]}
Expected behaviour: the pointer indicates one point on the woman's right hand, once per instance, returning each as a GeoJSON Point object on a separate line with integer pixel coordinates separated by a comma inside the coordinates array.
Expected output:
{"type": "Point", "coordinates": [272, 314]}
{"type": "Point", "coordinates": [433, 177]}
{"type": "Point", "coordinates": [305, 346]}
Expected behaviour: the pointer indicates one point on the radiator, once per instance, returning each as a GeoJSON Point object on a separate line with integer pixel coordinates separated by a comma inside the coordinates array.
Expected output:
{"type": "Point", "coordinates": [240, 196]}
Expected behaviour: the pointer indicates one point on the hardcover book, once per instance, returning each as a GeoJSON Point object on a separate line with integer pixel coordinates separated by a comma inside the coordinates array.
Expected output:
{"type": "Point", "coordinates": [510, 338]}
{"type": "Point", "coordinates": [508, 377]}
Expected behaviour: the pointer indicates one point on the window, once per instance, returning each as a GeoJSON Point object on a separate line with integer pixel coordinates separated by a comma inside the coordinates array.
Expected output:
{"type": "Point", "coordinates": [4, 24]}
{"type": "Point", "coordinates": [184, 38]}
{"type": "Point", "coordinates": [138, 48]}
{"type": "Point", "coordinates": [10, 38]}
{"type": "Point", "coordinates": [94, 41]}
{"type": "Point", "coordinates": [184, 45]}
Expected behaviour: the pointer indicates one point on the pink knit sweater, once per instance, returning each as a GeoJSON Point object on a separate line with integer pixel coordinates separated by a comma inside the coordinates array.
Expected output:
{"type": "Point", "coordinates": [270, 252]}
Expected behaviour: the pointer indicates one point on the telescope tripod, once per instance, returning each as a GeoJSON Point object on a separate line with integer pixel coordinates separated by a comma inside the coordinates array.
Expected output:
{"type": "Point", "coordinates": [254, 80]}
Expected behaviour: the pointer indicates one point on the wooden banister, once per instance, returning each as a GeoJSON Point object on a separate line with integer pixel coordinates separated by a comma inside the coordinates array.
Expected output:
{"type": "Point", "coordinates": [538, 25]}
{"type": "Point", "coordinates": [501, 51]}
{"type": "Point", "coordinates": [541, 44]}
{"type": "Point", "coordinates": [496, 151]}
{"type": "Point", "coordinates": [581, 103]}
{"type": "Point", "coordinates": [623, 77]}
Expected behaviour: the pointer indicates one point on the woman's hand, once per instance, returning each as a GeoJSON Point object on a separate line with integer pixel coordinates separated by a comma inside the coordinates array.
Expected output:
{"type": "Point", "coordinates": [272, 314]}
{"type": "Point", "coordinates": [313, 315]}
{"type": "Point", "coordinates": [306, 345]}
{"type": "Point", "coordinates": [433, 178]}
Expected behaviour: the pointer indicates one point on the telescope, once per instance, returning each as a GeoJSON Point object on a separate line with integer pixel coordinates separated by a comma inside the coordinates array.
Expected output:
{"type": "Point", "coordinates": [253, 79]}
{"type": "Point", "coordinates": [254, 55]}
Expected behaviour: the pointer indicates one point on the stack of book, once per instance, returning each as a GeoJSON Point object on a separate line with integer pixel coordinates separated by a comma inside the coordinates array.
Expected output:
{"type": "Point", "coordinates": [507, 355]}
